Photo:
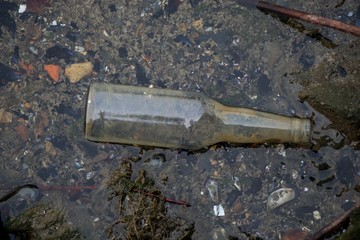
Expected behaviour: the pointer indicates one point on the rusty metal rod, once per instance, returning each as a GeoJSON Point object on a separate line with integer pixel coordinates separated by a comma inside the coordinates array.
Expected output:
{"type": "Point", "coordinates": [302, 16]}
{"type": "Point", "coordinates": [334, 225]}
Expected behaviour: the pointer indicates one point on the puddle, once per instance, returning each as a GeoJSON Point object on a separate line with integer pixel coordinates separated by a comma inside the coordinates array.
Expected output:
{"type": "Point", "coordinates": [236, 55]}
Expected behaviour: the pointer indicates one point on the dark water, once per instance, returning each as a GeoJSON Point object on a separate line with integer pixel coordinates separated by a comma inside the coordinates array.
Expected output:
{"type": "Point", "coordinates": [236, 55]}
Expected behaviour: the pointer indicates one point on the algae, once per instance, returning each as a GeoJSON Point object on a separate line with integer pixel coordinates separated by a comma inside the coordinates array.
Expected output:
{"type": "Point", "coordinates": [142, 210]}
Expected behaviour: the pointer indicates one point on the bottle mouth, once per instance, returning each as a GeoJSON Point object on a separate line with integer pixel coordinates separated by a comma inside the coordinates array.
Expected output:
{"type": "Point", "coordinates": [301, 130]}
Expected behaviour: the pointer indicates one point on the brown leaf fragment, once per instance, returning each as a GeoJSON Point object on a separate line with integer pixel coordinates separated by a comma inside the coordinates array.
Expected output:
{"type": "Point", "coordinates": [36, 6]}
{"type": "Point", "coordinates": [23, 132]}
{"type": "Point", "coordinates": [41, 122]}
{"type": "Point", "coordinates": [33, 32]}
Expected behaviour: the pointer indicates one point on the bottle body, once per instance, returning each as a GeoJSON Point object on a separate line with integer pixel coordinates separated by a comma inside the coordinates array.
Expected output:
{"type": "Point", "coordinates": [182, 120]}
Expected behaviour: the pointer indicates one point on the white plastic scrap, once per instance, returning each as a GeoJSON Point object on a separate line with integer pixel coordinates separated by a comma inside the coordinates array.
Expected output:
{"type": "Point", "coordinates": [22, 8]}
{"type": "Point", "coordinates": [219, 210]}
{"type": "Point", "coordinates": [316, 215]}
{"type": "Point", "coordinates": [89, 175]}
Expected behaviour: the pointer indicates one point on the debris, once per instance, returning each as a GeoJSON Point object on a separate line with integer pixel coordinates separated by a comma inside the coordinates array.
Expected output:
{"type": "Point", "coordinates": [25, 68]}
{"type": "Point", "coordinates": [77, 71]}
{"type": "Point", "coordinates": [49, 148]}
{"type": "Point", "coordinates": [213, 188]}
{"type": "Point", "coordinates": [54, 71]}
{"type": "Point", "coordinates": [80, 49]}
{"type": "Point", "coordinates": [34, 50]}
{"type": "Point", "coordinates": [41, 122]}
{"type": "Point", "coordinates": [36, 6]}
{"type": "Point", "coordinates": [198, 24]}
{"type": "Point", "coordinates": [33, 32]}
{"type": "Point", "coordinates": [303, 16]}
{"type": "Point", "coordinates": [22, 8]}
{"type": "Point", "coordinates": [28, 69]}
{"type": "Point", "coordinates": [280, 197]}
{"type": "Point", "coordinates": [316, 215]}
{"type": "Point", "coordinates": [219, 233]}
{"type": "Point", "coordinates": [23, 132]}
{"type": "Point", "coordinates": [5, 117]}
{"type": "Point", "coordinates": [280, 149]}
{"type": "Point", "coordinates": [165, 199]}
{"type": "Point", "coordinates": [294, 174]}
{"type": "Point", "coordinates": [145, 216]}
{"type": "Point", "coordinates": [27, 105]}
{"type": "Point", "coordinates": [219, 210]}
{"type": "Point", "coordinates": [237, 183]}
{"type": "Point", "coordinates": [295, 234]}
{"type": "Point", "coordinates": [156, 160]}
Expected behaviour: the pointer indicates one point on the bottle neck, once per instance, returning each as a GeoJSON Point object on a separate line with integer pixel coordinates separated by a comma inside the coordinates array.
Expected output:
{"type": "Point", "coordinates": [243, 125]}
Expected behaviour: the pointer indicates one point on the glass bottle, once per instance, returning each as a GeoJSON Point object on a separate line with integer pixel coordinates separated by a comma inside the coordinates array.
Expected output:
{"type": "Point", "coordinates": [181, 120]}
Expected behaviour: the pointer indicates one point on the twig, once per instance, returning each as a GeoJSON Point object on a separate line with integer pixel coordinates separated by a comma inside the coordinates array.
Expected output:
{"type": "Point", "coordinates": [303, 16]}
{"type": "Point", "coordinates": [178, 202]}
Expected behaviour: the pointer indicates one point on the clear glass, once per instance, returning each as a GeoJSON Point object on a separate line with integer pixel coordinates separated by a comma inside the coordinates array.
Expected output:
{"type": "Point", "coordinates": [183, 120]}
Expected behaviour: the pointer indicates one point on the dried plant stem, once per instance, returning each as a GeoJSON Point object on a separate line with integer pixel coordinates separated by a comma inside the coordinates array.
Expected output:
{"type": "Point", "coordinates": [168, 200]}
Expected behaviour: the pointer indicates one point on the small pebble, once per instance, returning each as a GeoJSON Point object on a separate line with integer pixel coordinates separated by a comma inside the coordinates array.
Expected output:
{"type": "Point", "coordinates": [316, 215]}
{"type": "Point", "coordinates": [53, 71]}
{"type": "Point", "coordinates": [280, 197]}
{"type": "Point", "coordinates": [5, 117]}
{"type": "Point", "coordinates": [294, 174]}
{"type": "Point", "coordinates": [49, 148]}
{"type": "Point", "coordinates": [77, 71]}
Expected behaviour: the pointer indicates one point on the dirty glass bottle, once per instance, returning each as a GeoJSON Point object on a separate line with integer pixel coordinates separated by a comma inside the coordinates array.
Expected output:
{"type": "Point", "coordinates": [181, 120]}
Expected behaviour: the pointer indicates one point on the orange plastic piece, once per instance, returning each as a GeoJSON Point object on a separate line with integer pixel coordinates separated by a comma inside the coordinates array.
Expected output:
{"type": "Point", "coordinates": [54, 71]}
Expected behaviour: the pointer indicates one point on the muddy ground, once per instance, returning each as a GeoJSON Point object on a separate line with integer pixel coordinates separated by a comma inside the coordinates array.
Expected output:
{"type": "Point", "coordinates": [237, 55]}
